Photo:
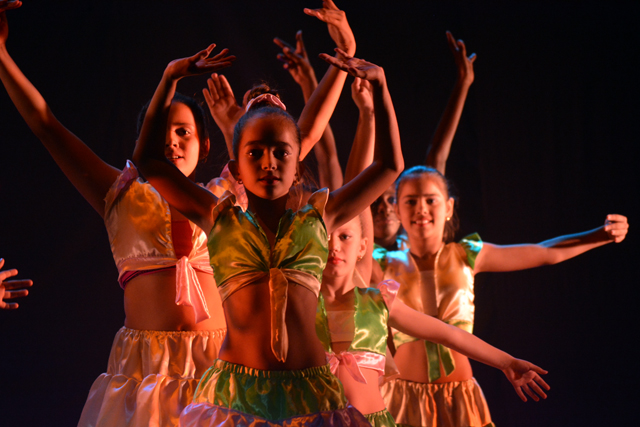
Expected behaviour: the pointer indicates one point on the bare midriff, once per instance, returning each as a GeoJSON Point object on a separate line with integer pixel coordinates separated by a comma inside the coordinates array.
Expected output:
{"type": "Point", "coordinates": [365, 398]}
{"type": "Point", "coordinates": [149, 304]}
{"type": "Point", "coordinates": [411, 360]}
{"type": "Point", "coordinates": [248, 340]}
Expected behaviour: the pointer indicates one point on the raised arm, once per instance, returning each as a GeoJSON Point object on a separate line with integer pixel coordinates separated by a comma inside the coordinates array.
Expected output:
{"type": "Point", "coordinates": [296, 61]}
{"type": "Point", "coordinates": [355, 196]}
{"type": "Point", "coordinates": [519, 257]}
{"type": "Point", "coordinates": [523, 375]}
{"type": "Point", "coordinates": [362, 149]}
{"type": "Point", "coordinates": [86, 171]}
{"type": "Point", "coordinates": [223, 107]}
{"type": "Point", "coordinates": [320, 105]}
{"type": "Point", "coordinates": [191, 200]}
{"type": "Point", "coordinates": [10, 289]}
{"type": "Point", "coordinates": [438, 151]}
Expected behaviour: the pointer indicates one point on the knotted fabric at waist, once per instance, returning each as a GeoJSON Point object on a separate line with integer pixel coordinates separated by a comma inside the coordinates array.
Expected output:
{"type": "Point", "coordinates": [353, 360]}
{"type": "Point", "coordinates": [437, 354]}
{"type": "Point", "coordinates": [278, 292]}
{"type": "Point", "coordinates": [188, 289]}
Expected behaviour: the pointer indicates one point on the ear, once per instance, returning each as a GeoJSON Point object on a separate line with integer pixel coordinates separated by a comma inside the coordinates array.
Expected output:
{"type": "Point", "coordinates": [450, 204]}
{"type": "Point", "coordinates": [364, 243]}
{"type": "Point", "coordinates": [301, 169]}
{"type": "Point", "coordinates": [204, 149]}
{"type": "Point", "coordinates": [233, 168]}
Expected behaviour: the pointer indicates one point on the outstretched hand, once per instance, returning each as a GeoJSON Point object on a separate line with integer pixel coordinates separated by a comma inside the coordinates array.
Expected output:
{"type": "Point", "coordinates": [222, 103]}
{"type": "Point", "coordinates": [362, 95]}
{"type": "Point", "coordinates": [525, 378]}
{"type": "Point", "coordinates": [464, 63]}
{"type": "Point", "coordinates": [4, 26]}
{"type": "Point", "coordinates": [12, 288]}
{"type": "Point", "coordinates": [339, 28]}
{"type": "Point", "coordinates": [616, 227]}
{"type": "Point", "coordinates": [356, 67]}
{"type": "Point", "coordinates": [296, 61]}
{"type": "Point", "coordinates": [200, 63]}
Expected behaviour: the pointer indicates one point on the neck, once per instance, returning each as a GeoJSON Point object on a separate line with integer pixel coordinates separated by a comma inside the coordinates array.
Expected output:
{"type": "Point", "coordinates": [428, 247]}
{"type": "Point", "coordinates": [334, 287]}
{"type": "Point", "coordinates": [388, 243]}
{"type": "Point", "coordinates": [268, 211]}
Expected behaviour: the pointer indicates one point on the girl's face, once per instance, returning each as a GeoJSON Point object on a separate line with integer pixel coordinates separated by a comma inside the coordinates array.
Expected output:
{"type": "Point", "coordinates": [385, 219]}
{"type": "Point", "coordinates": [423, 207]}
{"type": "Point", "coordinates": [183, 144]}
{"type": "Point", "coordinates": [346, 246]}
{"type": "Point", "coordinates": [268, 156]}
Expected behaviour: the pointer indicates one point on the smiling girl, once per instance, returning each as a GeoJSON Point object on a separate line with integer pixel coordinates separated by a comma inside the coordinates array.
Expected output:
{"type": "Point", "coordinates": [436, 385]}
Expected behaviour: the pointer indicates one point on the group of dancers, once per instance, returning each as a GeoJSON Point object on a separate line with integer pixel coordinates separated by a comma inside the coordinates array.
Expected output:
{"type": "Point", "coordinates": [259, 299]}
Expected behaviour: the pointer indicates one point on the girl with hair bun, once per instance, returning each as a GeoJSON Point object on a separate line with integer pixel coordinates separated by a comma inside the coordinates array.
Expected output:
{"type": "Point", "coordinates": [436, 385]}
{"type": "Point", "coordinates": [268, 260]}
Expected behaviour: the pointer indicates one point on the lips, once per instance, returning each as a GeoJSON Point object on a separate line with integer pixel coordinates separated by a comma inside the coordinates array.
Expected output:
{"type": "Point", "coordinates": [334, 260]}
{"type": "Point", "coordinates": [422, 222]}
{"type": "Point", "coordinates": [269, 179]}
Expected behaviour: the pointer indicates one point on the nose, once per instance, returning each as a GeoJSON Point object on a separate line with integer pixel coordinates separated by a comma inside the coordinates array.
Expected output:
{"type": "Point", "coordinates": [171, 143]}
{"type": "Point", "coordinates": [334, 244]}
{"type": "Point", "coordinates": [268, 161]}
{"type": "Point", "coordinates": [422, 206]}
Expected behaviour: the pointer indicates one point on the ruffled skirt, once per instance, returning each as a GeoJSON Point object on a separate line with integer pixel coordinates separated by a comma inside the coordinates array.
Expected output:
{"type": "Point", "coordinates": [454, 404]}
{"type": "Point", "coordinates": [151, 377]}
{"type": "Point", "coordinates": [230, 394]}
{"type": "Point", "coordinates": [381, 419]}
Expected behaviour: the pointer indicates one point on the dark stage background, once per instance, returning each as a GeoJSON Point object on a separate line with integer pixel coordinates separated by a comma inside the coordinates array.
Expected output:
{"type": "Point", "coordinates": [545, 147]}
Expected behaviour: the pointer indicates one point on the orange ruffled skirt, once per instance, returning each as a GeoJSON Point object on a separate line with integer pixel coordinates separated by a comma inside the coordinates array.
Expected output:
{"type": "Point", "coordinates": [151, 377]}
{"type": "Point", "coordinates": [454, 404]}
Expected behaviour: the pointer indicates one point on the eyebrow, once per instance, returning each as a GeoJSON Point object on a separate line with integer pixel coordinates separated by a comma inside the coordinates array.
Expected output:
{"type": "Point", "coordinates": [276, 143]}
{"type": "Point", "coordinates": [182, 124]}
{"type": "Point", "coordinates": [421, 195]}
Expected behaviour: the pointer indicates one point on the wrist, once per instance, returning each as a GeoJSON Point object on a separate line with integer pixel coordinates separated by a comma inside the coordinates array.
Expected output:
{"type": "Point", "coordinates": [366, 113]}
{"type": "Point", "coordinates": [464, 82]}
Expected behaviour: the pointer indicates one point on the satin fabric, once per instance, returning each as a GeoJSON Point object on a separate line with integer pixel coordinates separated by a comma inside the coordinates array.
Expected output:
{"type": "Point", "coordinates": [299, 253]}
{"type": "Point", "coordinates": [231, 394]}
{"type": "Point", "coordinates": [151, 377]}
{"type": "Point", "coordinates": [381, 419]}
{"type": "Point", "coordinates": [369, 345]}
{"type": "Point", "coordinates": [138, 222]}
{"type": "Point", "coordinates": [454, 281]}
{"type": "Point", "coordinates": [380, 253]}
{"type": "Point", "coordinates": [454, 404]}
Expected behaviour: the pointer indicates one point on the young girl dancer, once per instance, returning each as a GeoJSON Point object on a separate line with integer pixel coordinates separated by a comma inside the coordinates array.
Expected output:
{"type": "Point", "coordinates": [268, 260]}
{"type": "Point", "coordinates": [174, 322]}
{"type": "Point", "coordinates": [10, 289]}
{"type": "Point", "coordinates": [352, 325]}
{"type": "Point", "coordinates": [386, 223]}
{"type": "Point", "coordinates": [436, 385]}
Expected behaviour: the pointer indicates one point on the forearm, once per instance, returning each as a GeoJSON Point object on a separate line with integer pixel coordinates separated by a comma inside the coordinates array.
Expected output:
{"type": "Point", "coordinates": [519, 257]}
{"type": "Point", "coordinates": [362, 149]}
{"type": "Point", "coordinates": [319, 108]}
{"type": "Point", "coordinates": [329, 170]}
{"type": "Point", "coordinates": [438, 151]}
{"type": "Point", "coordinates": [30, 104]}
{"type": "Point", "coordinates": [149, 151]}
{"type": "Point", "coordinates": [387, 151]}
{"type": "Point", "coordinates": [429, 328]}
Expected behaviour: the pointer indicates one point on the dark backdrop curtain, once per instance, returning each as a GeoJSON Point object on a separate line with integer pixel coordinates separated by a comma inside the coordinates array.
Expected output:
{"type": "Point", "coordinates": [546, 146]}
